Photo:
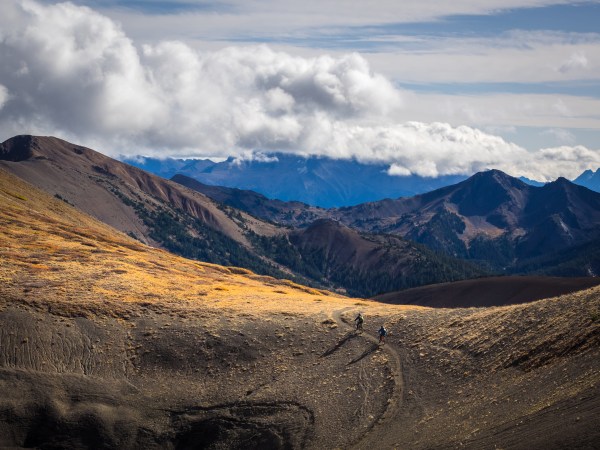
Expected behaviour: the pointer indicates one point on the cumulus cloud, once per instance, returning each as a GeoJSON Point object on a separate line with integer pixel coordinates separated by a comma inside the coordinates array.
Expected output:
{"type": "Point", "coordinates": [423, 149]}
{"type": "Point", "coordinates": [577, 60]}
{"type": "Point", "coordinates": [69, 67]}
{"type": "Point", "coordinates": [563, 161]}
{"type": "Point", "coordinates": [71, 71]}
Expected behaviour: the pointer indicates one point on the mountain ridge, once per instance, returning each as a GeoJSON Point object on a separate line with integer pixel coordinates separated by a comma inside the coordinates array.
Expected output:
{"type": "Point", "coordinates": [153, 210]}
{"type": "Point", "coordinates": [166, 214]}
{"type": "Point", "coordinates": [491, 217]}
{"type": "Point", "coordinates": [318, 181]}
{"type": "Point", "coordinates": [590, 179]}
{"type": "Point", "coordinates": [464, 219]}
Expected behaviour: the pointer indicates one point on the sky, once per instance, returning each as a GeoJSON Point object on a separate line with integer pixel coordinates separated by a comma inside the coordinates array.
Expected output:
{"type": "Point", "coordinates": [427, 87]}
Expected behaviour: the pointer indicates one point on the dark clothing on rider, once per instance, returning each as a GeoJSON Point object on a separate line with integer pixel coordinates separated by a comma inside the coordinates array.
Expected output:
{"type": "Point", "coordinates": [382, 333]}
{"type": "Point", "coordinates": [359, 321]}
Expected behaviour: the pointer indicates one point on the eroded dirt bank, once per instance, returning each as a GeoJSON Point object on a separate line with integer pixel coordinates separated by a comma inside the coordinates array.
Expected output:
{"type": "Point", "coordinates": [157, 378]}
{"type": "Point", "coordinates": [150, 377]}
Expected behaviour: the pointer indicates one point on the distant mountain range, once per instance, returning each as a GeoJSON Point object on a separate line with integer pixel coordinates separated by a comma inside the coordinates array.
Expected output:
{"type": "Point", "coordinates": [491, 219]}
{"type": "Point", "coordinates": [323, 182]}
{"type": "Point", "coordinates": [488, 223]}
{"type": "Point", "coordinates": [166, 214]}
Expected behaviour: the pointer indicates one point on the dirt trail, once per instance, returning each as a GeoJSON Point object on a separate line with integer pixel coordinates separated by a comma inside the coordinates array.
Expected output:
{"type": "Point", "coordinates": [395, 399]}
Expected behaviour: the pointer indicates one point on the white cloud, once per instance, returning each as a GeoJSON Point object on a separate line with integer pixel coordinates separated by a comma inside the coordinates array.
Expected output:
{"type": "Point", "coordinates": [398, 170]}
{"type": "Point", "coordinates": [577, 60]}
{"type": "Point", "coordinates": [423, 149]}
{"type": "Point", "coordinates": [75, 67]}
{"type": "Point", "coordinates": [565, 161]}
{"type": "Point", "coordinates": [90, 79]}
{"type": "Point", "coordinates": [249, 155]}
{"type": "Point", "coordinates": [3, 96]}
{"type": "Point", "coordinates": [74, 72]}
{"type": "Point", "coordinates": [561, 135]}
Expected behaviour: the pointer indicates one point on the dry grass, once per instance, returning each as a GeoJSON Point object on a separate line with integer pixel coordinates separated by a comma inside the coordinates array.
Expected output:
{"type": "Point", "coordinates": [52, 252]}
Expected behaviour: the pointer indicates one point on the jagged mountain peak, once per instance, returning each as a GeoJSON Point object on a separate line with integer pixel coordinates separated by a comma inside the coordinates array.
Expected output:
{"type": "Point", "coordinates": [590, 179]}
{"type": "Point", "coordinates": [563, 186]}
{"type": "Point", "coordinates": [494, 177]}
{"type": "Point", "coordinates": [561, 181]}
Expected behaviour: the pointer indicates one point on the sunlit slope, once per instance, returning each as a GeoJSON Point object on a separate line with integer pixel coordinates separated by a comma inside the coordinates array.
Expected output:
{"type": "Point", "coordinates": [51, 249]}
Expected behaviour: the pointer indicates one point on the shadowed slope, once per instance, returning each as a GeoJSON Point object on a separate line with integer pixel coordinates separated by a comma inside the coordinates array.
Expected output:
{"type": "Point", "coordinates": [518, 377]}
{"type": "Point", "coordinates": [287, 213]}
{"type": "Point", "coordinates": [494, 291]}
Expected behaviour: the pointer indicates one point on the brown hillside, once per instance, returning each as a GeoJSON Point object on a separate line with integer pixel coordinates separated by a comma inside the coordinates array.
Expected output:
{"type": "Point", "coordinates": [491, 217]}
{"type": "Point", "coordinates": [97, 185]}
{"type": "Point", "coordinates": [493, 291]}
{"type": "Point", "coordinates": [108, 343]}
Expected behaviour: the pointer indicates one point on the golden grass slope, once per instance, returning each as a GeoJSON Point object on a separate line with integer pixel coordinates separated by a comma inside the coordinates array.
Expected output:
{"type": "Point", "coordinates": [50, 249]}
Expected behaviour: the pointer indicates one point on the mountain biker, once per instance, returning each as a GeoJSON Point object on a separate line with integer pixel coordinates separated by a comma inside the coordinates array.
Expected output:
{"type": "Point", "coordinates": [382, 333]}
{"type": "Point", "coordinates": [359, 321]}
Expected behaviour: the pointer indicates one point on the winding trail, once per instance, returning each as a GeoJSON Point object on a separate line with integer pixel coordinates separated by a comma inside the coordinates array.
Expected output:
{"type": "Point", "coordinates": [395, 400]}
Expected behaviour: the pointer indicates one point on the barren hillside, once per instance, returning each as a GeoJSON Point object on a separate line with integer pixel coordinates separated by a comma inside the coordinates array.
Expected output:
{"type": "Point", "coordinates": [491, 291]}
{"type": "Point", "coordinates": [108, 343]}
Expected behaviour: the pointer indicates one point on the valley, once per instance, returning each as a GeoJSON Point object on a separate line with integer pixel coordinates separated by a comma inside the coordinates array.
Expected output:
{"type": "Point", "coordinates": [108, 342]}
{"type": "Point", "coordinates": [492, 221]}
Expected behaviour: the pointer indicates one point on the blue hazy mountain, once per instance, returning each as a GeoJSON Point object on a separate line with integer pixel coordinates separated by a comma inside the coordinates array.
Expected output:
{"type": "Point", "coordinates": [323, 182]}
{"type": "Point", "coordinates": [531, 182]}
{"type": "Point", "coordinates": [589, 179]}
{"type": "Point", "coordinates": [166, 168]}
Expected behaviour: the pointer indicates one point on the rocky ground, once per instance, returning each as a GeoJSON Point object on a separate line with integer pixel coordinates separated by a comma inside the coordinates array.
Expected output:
{"type": "Point", "coordinates": [523, 376]}
{"type": "Point", "coordinates": [157, 378]}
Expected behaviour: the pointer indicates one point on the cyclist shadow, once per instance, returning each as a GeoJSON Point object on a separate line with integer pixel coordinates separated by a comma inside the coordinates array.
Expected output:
{"type": "Point", "coordinates": [373, 348]}
{"type": "Point", "coordinates": [350, 335]}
